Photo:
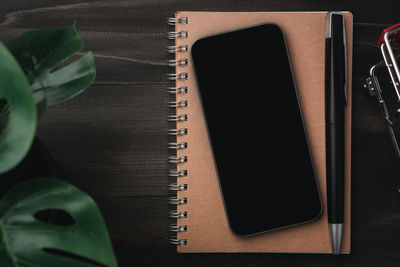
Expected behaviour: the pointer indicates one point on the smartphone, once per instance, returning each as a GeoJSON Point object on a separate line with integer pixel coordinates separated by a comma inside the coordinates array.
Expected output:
{"type": "Point", "coordinates": [256, 129]}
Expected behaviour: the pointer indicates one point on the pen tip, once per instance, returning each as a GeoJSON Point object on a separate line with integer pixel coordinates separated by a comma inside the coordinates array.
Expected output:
{"type": "Point", "coordinates": [336, 250]}
{"type": "Point", "coordinates": [335, 230]}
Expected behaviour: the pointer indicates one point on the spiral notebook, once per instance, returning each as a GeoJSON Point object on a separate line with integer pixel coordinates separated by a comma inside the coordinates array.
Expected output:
{"type": "Point", "coordinates": [198, 219]}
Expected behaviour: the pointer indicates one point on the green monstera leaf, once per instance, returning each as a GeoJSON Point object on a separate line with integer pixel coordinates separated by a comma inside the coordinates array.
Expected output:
{"type": "Point", "coordinates": [18, 116]}
{"type": "Point", "coordinates": [41, 82]}
{"type": "Point", "coordinates": [29, 237]}
{"type": "Point", "coordinates": [40, 52]}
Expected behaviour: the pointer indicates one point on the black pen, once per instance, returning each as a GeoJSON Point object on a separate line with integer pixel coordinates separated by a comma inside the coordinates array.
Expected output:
{"type": "Point", "coordinates": [335, 101]}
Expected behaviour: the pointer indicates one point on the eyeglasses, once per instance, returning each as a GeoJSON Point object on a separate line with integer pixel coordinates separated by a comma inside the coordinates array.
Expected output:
{"type": "Point", "coordinates": [381, 85]}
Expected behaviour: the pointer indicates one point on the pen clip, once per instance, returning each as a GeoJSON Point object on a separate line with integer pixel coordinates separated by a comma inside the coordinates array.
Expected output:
{"type": "Point", "coordinates": [329, 34]}
{"type": "Point", "coordinates": [345, 62]}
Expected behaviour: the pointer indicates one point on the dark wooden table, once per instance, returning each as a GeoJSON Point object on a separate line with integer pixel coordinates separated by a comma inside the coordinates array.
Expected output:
{"type": "Point", "coordinates": [111, 141]}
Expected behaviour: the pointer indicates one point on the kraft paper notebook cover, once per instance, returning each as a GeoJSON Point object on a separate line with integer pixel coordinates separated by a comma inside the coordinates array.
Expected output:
{"type": "Point", "coordinates": [201, 223]}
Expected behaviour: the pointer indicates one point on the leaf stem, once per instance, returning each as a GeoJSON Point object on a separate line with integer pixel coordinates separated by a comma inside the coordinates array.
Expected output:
{"type": "Point", "coordinates": [6, 243]}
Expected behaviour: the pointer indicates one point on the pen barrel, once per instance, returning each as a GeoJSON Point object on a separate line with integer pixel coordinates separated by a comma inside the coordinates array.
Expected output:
{"type": "Point", "coordinates": [335, 172]}
{"type": "Point", "coordinates": [335, 102]}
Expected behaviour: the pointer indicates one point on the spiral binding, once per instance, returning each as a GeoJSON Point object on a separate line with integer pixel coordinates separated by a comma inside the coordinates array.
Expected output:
{"type": "Point", "coordinates": [174, 118]}
{"type": "Point", "coordinates": [182, 145]}
{"type": "Point", "coordinates": [177, 90]}
{"type": "Point", "coordinates": [175, 35]}
{"type": "Point", "coordinates": [177, 117]}
{"type": "Point", "coordinates": [177, 160]}
{"type": "Point", "coordinates": [177, 48]}
{"type": "Point", "coordinates": [178, 104]}
{"type": "Point", "coordinates": [177, 215]}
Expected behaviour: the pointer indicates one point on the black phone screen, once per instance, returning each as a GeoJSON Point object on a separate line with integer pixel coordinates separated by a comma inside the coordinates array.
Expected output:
{"type": "Point", "coordinates": [256, 129]}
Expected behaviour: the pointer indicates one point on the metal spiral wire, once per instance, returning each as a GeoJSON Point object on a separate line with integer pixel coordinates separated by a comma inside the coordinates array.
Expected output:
{"type": "Point", "coordinates": [175, 118]}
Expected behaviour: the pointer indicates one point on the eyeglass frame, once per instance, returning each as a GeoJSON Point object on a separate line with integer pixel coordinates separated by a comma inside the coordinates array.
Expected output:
{"type": "Point", "coordinates": [388, 36]}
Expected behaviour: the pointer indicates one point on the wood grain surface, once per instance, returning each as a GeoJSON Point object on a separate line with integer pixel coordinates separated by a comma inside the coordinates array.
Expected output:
{"type": "Point", "coordinates": [111, 141]}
